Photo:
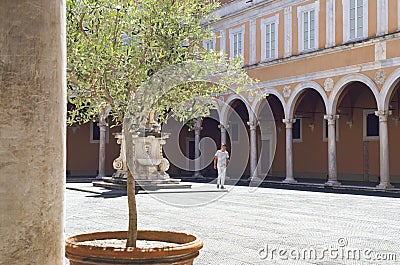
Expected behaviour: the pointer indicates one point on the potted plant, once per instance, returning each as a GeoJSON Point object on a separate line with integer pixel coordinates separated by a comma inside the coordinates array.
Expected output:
{"type": "Point", "coordinates": [140, 60]}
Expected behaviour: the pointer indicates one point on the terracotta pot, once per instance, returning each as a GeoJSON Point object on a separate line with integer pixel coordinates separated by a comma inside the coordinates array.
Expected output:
{"type": "Point", "coordinates": [184, 253]}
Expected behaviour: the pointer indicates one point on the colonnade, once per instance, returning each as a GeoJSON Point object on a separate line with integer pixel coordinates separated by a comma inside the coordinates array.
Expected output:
{"type": "Point", "coordinates": [382, 98]}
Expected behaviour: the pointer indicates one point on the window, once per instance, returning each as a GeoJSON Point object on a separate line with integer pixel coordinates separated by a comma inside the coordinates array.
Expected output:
{"type": "Point", "coordinates": [308, 26]}
{"type": "Point", "coordinates": [95, 133]}
{"type": "Point", "coordinates": [191, 149]}
{"type": "Point", "coordinates": [355, 19]}
{"type": "Point", "coordinates": [269, 40]}
{"type": "Point", "coordinates": [370, 125]}
{"type": "Point", "coordinates": [297, 130]}
{"type": "Point", "coordinates": [237, 42]}
{"type": "Point", "coordinates": [309, 30]}
{"type": "Point", "coordinates": [209, 45]}
{"type": "Point", "coordinates": [190, 154]}
{"type": "Point", "coordinates": [325, 130]}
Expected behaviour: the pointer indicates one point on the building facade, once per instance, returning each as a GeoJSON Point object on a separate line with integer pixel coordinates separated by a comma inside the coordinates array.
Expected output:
{"type": "Point", "coordinates": [330, 71]}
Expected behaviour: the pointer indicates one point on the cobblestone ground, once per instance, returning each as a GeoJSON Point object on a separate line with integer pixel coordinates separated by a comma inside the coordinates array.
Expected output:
{"type": "Point", "coordinates": [243, 227]}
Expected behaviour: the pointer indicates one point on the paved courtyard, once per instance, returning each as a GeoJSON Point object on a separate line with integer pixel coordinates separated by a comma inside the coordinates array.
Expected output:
{"type": "Point", "coordinates": [262, 226]}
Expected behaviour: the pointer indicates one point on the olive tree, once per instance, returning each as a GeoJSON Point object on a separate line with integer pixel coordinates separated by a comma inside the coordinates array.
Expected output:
{"type": "Point", "coordinates": [116, 46]}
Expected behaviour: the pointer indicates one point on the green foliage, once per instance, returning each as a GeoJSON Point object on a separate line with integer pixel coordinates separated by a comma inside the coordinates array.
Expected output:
{"type": "Point", "coordinates": [114, 46]}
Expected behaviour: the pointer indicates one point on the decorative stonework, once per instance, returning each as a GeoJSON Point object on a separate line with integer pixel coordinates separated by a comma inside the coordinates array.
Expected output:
{"type": "Point", "coordinates": [119, 163]}
{"type": "Point", "coordinates": [147, 149]}
{"type": "Point", "coordinates": [328, 84]}
{"type": "Point", "coordinates": [251, 97]}
{"type": "Point", "coordinates": [380, 77]}
{"type": "Point", "coordinates": [380, 51]}
{"type": "Point", "coordinates": [164, 165]}
{"type": "Point", "coordinates": [221, 101]}
{"type": "Point", "coordinates": [287, 91]}
{"type": "Point", "coordinates": [148, 158]}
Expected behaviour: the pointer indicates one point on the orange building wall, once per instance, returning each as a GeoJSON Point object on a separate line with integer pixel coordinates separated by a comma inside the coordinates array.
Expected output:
{"type": "Point", "coordinates": [351, 149]}
{"type": "Point", "coordinates": [339, 22]}
{"type": "Point", "coordinates": [393, 16]}
{"type": "Point", "coordinates": [278, 165]}
{"type": "Point", "coordinates": [83, 156]}
{"type": "Point", "coordinates": [372, 24]}
{"type": "Point", "coordinates": [310, 155]}
{"type": "Point", "coordinates": [392, 48]}
{"type": "Point", "coordinates": [315, 64]}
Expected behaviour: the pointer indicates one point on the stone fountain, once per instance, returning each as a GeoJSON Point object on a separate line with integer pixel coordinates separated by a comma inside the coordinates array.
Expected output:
{"type": "Point", "coordinates": [151, 165]}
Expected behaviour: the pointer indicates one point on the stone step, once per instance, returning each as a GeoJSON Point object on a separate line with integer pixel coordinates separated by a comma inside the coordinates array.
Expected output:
{"type": "Point", "coordinates": [143, 186]}
{"type": "Point", "coordinates": [167, 186]}
{"type": "Point", "coordinates": [108, 185]}
{"type": "Point", "coordinates": [142, 182]}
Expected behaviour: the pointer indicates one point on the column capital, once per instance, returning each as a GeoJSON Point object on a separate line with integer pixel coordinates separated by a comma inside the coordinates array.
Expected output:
{"type": "Point", "coordinates": [289, 122]}
{"type": "Point", "coordinates": [102, 124]}
{"type": "Point", "coordinates": [252, 124]}
{"type": "Point", "coordinates": [103, 115]}
{"type": "Point", "coordinates": [383, 114]}
{"type": "Point", "coordinates": [331, 118]}
{"type": "Point", "coordinates": [197, 127]}
{"type": "Point", "coordinates": [197, 130]}
{"type": "Point", "coordinates": [223, 127]}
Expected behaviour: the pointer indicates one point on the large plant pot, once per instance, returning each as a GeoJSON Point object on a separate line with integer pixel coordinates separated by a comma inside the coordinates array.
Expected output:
{"type": "Point", "coordinates": [86, 254]}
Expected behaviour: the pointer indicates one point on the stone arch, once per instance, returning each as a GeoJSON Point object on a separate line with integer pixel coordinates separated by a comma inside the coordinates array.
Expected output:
{"type": "Point", "coordinates": [217, 104]}
{"type": "Point", "coordinates": [342, 84]}
{"type": "Point", "coordinates": [298, 90]}
{"type": "Point", "coordinates": [257, 102]}
{"type": "Point", "coordinates": [226, 106]}
{"type": "Point", "coordinates": [388, 88]}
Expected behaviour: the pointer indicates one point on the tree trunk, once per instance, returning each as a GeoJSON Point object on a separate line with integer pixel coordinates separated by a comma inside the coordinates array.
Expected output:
{"type": "Point", "coordinates": [132, 230]}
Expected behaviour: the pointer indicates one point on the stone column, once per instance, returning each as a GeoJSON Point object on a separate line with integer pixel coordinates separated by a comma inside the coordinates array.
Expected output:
{"type": "Point", "coordinates": [103, 141]}
{"type": "Point", "coordinates": [384, 149]}
{"type": "Point", "coordinates": [289, 150]}
{"type": "Point", "coordinates": [223, 133]}
{"type": "Point", "coordinates": [332, 168]}
{"type": "Point", "coordinates": [197, 164]}
{"type": "Point", "coordinates": [32, 131]}
{"type": "Point", "coordinates": [253, 148]}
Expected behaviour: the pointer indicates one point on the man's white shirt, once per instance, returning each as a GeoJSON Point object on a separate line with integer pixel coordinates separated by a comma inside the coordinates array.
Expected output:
{"type": "Point", "coordinates": [221, 158]}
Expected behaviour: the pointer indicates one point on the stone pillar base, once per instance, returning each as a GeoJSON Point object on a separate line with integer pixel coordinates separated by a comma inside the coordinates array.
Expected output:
{"type": "Point", "coordinates": [100, 177]}
{"type": "Point", "coordinates": [289, 180]}
{"type": "Point", "coordinates": [332, 183]}
{"type": "Point", "coordinates": [384, 186]}
{"type": "Point", "coordinates": [256, 178]}
{"type": "Point", "coordinates": [120, 174]}
{"type": "Point", "coordinates": [198, 175]}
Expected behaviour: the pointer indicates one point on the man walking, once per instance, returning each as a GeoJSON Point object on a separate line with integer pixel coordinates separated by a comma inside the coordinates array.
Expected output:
{"type": "Point", "coordinates": [221, 161]}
